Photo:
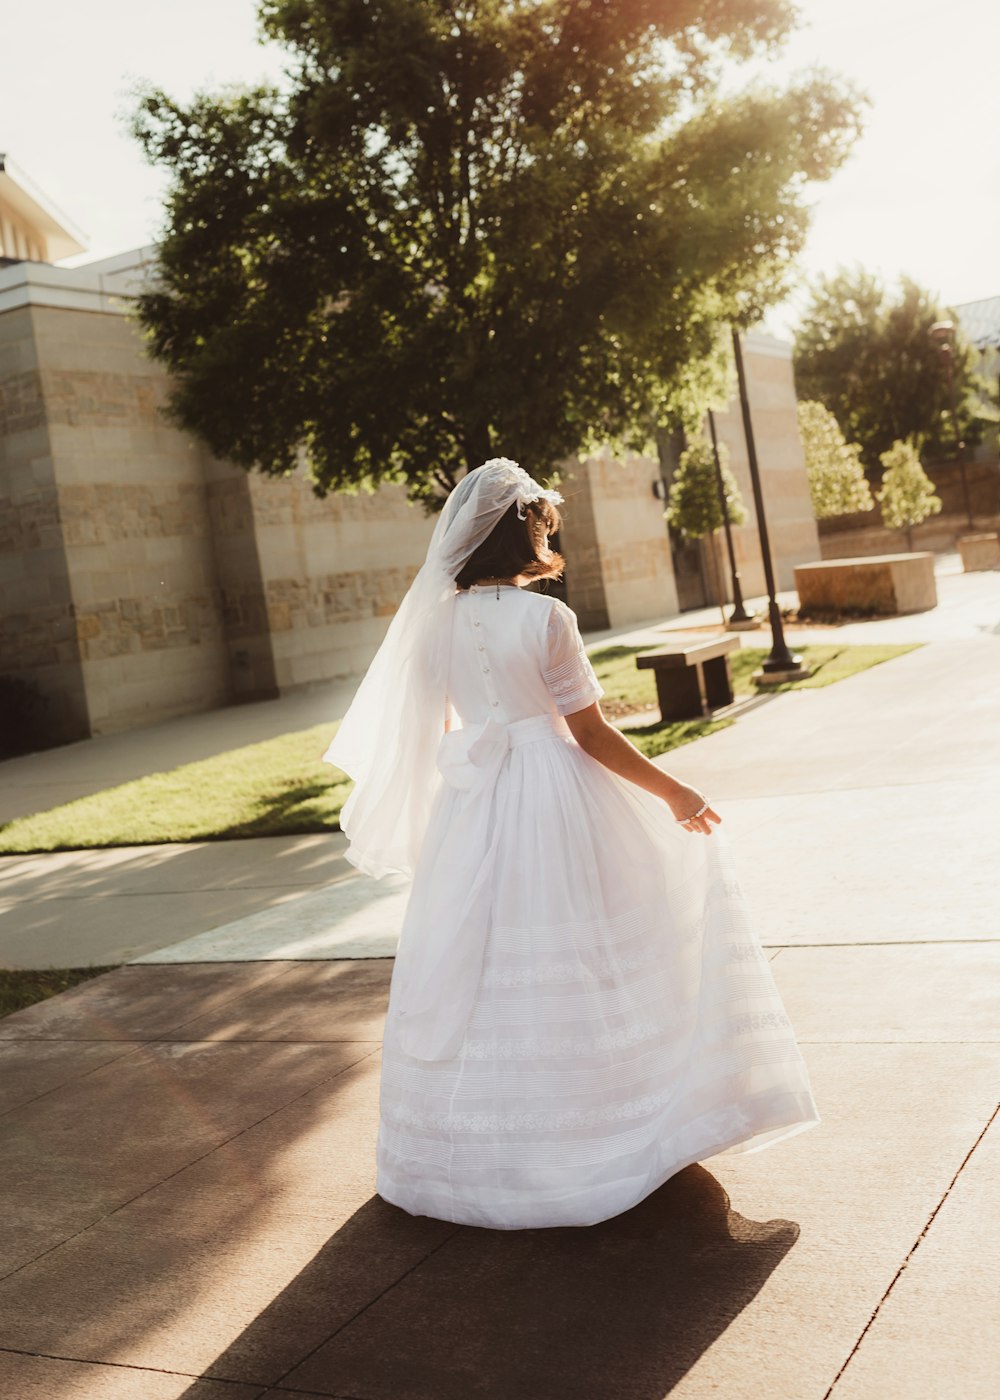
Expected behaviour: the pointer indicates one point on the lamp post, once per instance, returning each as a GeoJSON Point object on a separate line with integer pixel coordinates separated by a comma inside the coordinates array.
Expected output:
{"type": "Point", "coordinates": [943, 335]}
{"type": "Point", "coordinates": [781, 660]}
{"type": "Point", "coordinates": [739, 614]}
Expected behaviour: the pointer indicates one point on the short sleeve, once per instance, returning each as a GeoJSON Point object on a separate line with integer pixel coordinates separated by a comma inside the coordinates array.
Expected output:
{"type": "Point", "coordinates": [568, 672]}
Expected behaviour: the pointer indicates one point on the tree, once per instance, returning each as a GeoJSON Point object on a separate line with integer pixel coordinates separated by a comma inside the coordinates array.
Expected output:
{"type": "Point", "coordinates": [463, 229]}
{"type": "Point", "coordinates": [837, 481]}
{"type": "Point", "coordinates": [866, 354]}
{"type": "Point", "coordinates": [694, 507]}
{"type": "Point", "coordinates": [907, 495]}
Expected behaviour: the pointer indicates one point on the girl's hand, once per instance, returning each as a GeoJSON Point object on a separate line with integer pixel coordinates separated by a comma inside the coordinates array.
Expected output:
{"type": "Point", "coordinates": [683, 801]}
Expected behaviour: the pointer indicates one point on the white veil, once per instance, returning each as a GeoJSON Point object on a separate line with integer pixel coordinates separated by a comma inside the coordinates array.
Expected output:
{"type": "Point", "coordinates": [388, 740]}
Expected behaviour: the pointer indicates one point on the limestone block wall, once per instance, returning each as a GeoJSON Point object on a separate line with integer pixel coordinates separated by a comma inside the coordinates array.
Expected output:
{"type": "Point", "coordinates": [38, 639]}
{"type": "Point", "coordinates": [790, 521]}
{"type": "Point", "coordinates": [139, 578]}
{"type": "Point", "coordinates": [619, 568]}
{"type": "Point", "coordinates": [578, 541]}
{"type": "Point", "coordinates": [333, 572]}
{"type": "Point", "coordinates": [135, 524]}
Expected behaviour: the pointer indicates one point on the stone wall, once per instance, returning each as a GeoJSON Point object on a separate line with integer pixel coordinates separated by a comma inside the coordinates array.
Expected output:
{"type": "Point", "coordinates": [784, 484]}
{"type": "Point", "coordinates": [614, 537]}
{"type": "Point", "coordinates": [160, 580]}
{"type": "Point", "coordinates": [332, 572]}
{"type": "Point", "coordinates": [135, 525]}
{"type": "Point", "coordinates": [141, 578]}
{"type": "Point", "coordinates": [38, 639]}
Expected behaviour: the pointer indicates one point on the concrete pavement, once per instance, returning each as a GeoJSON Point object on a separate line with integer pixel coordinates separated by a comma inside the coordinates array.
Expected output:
{"type": "Point", "coordinates": [35, 782]}
{"type": "Point", "coordinates": [297, 897]}
{"type": "Point", "coordinates": [187, 1151]}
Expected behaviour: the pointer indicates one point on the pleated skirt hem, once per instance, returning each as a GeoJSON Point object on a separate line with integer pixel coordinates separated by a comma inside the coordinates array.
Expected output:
{"type": "Point", "coordinates": [723, 1131]}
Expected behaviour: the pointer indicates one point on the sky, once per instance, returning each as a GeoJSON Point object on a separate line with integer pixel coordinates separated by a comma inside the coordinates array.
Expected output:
{"type": "Point", "coordinates": [919, 195]}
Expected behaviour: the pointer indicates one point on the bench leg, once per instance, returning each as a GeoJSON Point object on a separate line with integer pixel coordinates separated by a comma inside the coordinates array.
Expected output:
{"type": "Point", "coordinates": [679, 694]}
{"type": "Point", "coordinates": [718, 682]}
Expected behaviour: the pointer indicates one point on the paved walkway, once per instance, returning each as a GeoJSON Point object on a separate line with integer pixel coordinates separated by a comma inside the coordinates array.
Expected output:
{"type": "Point", "coordinates": [187, 1145]}
{"type": "Point", "coordinates": [34, 782]}
{"type": "Point", "coordinates": [297, 896]}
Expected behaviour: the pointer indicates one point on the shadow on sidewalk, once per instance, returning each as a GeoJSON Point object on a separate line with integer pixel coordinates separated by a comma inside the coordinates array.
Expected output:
{"type": "Point", "coordinates": [623, 1309]}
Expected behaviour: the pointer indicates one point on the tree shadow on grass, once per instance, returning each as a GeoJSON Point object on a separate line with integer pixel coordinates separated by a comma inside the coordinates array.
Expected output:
{"type": "Point", "coordinates": [625, 1308]}
{"type": "Point", "coordinates": [286, 812]}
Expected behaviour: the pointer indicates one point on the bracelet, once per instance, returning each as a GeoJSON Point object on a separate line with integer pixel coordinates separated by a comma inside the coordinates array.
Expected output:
{"type": "Point", "coordinates": [701, 810]}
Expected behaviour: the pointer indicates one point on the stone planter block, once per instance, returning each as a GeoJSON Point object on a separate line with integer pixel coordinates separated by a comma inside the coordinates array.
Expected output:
{"type": "Point", "coordinates": [979, 552]}
{"type": "Point", "coordinates": [880, 583]}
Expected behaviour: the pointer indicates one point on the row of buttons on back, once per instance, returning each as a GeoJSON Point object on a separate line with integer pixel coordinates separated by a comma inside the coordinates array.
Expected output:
{"type": "Point", "coordinates": [474, 593]}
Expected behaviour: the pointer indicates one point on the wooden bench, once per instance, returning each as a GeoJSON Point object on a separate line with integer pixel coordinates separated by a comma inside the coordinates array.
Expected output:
{"type": "Point", "coordinates": [691, 681]}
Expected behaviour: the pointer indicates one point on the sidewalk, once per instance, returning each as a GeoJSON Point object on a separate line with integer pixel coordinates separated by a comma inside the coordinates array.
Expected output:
{"type": "Point", "coordinates": [297, 897]}
{"type": "Point", "coordinates": [189, 1139]}
{"type": "Point", "coordinates": [966, 607]}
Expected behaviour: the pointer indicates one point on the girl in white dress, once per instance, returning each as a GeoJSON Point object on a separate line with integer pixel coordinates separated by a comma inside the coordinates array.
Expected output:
{"type": "Point", "coordinates": [580, 1006]}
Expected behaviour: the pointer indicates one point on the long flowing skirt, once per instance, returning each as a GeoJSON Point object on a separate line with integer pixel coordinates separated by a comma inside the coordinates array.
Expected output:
{"type": "Point", "coordinates": [624, 1021]}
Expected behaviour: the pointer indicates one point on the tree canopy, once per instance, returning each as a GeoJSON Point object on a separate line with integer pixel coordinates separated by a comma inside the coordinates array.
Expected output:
{"type": "Point", "coordinates": [866, 353]}
{"type": "Point", "coordinates": [837, 483]}
{"type": "Point", "coordinates": [463, 229]}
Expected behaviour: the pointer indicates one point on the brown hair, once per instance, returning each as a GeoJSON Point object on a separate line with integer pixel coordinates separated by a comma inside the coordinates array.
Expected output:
{"type": "Point", "coordinates": [516, 546]}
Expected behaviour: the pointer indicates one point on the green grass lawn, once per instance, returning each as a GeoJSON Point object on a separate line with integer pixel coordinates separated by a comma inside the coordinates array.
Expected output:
{"type": "Point", "coordinates": [625, 683]}
{"type": "Point", "coordinates": [277, 787]}
{"type": "Point", "coordinates": [281, 786]}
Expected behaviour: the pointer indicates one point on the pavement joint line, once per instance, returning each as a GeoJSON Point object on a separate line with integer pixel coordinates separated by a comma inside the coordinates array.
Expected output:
{"type": "Point", "coordinates": [159, 894]}
{"type": "Point", "coordinates": [320, 1394]}
{"type": "Point", "coordinates": [987, 938]}
{"type": "Point", "coordinates": [162, 1040]}
{"type": "Point", "coordinates": [231, 962]}
{"type": "Point", "coordinates": [937, 1040]}
{"type": "Point", "coordinates": [223, 1142]}
{"type": "Point", "coordinates": [279, 971]}
{"type": "Point", "coordinates": [371, 1303]}
{"type": "Point", "coordinates": [910, 1253]}
{"type": "Point", "coordinates": [300, 1390]}
{"type": "Point", "coordinates": [131, 1048]}
{"type": "Point", "coordinates": [123, 1366]}
{"type": "Point", "coordinates": [985, 782]}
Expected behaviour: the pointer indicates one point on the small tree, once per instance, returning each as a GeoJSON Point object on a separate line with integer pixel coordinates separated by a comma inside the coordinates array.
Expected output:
{"type": "Point", "coordinates": [907, 495]}
{"type": "Point", "coordinates": [837, 482]}
{"type": "Point", "coordinates": [694, 507]}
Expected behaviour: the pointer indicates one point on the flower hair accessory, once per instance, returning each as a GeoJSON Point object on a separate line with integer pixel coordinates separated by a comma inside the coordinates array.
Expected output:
{"type": "Point", "coordinates": [528, 490]}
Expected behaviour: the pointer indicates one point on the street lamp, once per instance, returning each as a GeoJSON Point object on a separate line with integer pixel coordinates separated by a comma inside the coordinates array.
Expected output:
{"type": "Point", "coordinates": [943, 335]}
{"type": "Point", "coordinates": [781, 662]}
{"type": "Point", "coordinates": [739, 617]}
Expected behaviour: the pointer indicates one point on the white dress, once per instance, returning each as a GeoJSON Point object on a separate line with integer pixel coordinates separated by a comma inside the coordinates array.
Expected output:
{"type": "Point", "coordinates": [602, 1009]}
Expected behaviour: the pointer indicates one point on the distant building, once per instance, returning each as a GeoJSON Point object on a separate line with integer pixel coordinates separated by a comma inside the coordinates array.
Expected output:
{"type": "Point", "coordinates": [31, 227]}
{"type": "Point", "coordinates": [142, 578]}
